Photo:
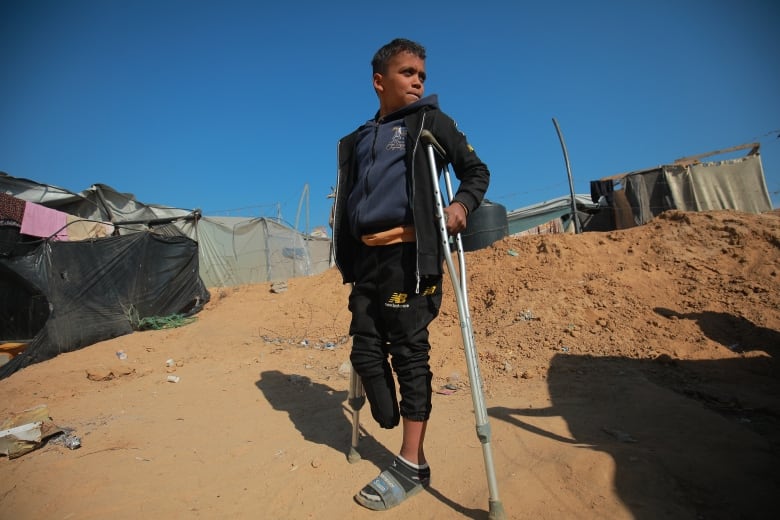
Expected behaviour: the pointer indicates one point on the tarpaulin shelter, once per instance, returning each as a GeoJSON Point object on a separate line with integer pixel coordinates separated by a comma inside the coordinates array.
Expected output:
{"type": "Point", "coordinates": [552, 216]}
{"type": "Point", "coordinates": [62, 294]}
{"type": "Point", "coordinates": [241, 250]}
{"type": "Point", "coordinates": [232, 250]}
{"type": "Point", "coordinates": [66, 295]}
{"type": "Point", "coordinates": [635, 198]}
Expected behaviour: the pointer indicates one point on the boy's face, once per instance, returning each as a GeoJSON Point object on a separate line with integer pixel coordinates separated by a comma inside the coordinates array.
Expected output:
{"type": "Point", "coordinates": [402, 84]}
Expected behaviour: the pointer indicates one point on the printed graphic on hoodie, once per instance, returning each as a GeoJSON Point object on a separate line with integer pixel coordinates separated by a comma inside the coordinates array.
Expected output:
{"type": "Point", "coordinates": [398, 142]}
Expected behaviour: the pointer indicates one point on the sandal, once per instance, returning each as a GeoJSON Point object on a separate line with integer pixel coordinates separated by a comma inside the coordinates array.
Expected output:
{"type": "Point", "coordinates": [391, 487]}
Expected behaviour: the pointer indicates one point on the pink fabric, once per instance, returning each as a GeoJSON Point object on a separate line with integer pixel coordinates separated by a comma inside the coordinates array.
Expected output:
{"type": "Point", "coordinates": [40, 221]}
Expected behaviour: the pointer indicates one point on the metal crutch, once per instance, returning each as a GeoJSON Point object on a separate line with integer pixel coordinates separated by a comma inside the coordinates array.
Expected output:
{"type": "Point", "coordinates": [496, 509]}
{"type": "Point", "coordinates": [356, 399]}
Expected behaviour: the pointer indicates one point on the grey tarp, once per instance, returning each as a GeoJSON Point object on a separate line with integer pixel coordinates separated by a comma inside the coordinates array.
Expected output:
{"type": "Point", "coordinates": [239, 250]}
{"type": "Point", "coordinates": [232, 250]}
{"type": "Point", "coordinates": [530, 217]}
{"type": "Point", "coordinates": [99, 203]}
{"type": "Point", "coordinates": [648, 194]}
{"type": "Point", "coordinates": [73, 294]}
{"type": "Point", "coordinates": [734, 184]}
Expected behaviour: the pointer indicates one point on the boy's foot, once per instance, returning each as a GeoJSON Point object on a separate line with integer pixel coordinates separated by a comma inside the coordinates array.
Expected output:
{"type": "Point", "coordinates": [394, 485]}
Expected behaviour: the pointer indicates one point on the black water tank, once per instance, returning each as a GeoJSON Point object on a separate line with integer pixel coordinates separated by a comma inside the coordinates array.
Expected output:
{"type": "Point", "coordinates": [485, 225]}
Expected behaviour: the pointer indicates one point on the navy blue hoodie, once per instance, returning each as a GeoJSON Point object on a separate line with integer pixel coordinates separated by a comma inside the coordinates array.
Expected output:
{"type": "Point", "coordinates": [379, 199]}
{"type": "Point", "coordinates": [412, 191]}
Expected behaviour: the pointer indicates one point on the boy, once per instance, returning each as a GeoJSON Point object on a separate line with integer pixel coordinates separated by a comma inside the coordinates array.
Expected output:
{"type": "Point", "coordinates": [386, 244]}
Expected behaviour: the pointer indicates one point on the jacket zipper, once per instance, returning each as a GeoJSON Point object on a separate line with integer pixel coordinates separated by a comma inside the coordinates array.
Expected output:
{"type": "Point", "coordinates": [416, 236]}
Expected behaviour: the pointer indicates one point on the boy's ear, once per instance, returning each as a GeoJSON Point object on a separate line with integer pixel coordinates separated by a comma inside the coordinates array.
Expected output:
{"type": "Point", "coordinates": [378, 82]}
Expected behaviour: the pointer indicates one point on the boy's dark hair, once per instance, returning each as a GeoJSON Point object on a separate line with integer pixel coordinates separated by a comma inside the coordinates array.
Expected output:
{"type": "Point", "coordinates": [383, 55]}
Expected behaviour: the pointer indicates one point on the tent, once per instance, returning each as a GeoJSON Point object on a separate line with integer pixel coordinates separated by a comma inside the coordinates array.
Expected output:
{"type": "Point", "coordinates": [635, 198]}
{"type": "Point", "coordinates": [115, 261]}
{"type": "Point", "coordinates": [552, 216]}
{"type": "Point", "coordinates": [65, 295]}
{"type": "Point", "coordinates": [232, 250]}
{"type": "Point", "coordinates": [241, 250]}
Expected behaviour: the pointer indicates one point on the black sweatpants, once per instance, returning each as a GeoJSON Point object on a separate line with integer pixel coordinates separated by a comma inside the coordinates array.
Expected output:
{"type": "Point", "coordinates": [390, 320]}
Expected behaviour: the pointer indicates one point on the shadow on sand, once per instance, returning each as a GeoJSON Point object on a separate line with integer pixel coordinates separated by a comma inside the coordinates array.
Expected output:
{"type": "Point", "coordinates": [736, 333]}
{"type": "Point", "coordinates": [321, 414]}
{"type": "Point", "coordinates": [690, 439]}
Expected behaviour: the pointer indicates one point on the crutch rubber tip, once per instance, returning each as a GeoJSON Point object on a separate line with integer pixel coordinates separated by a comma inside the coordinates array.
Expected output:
{"type": "Point", "coordinates": [496, 510]}
{"type": "Point", "coordinates": [353, 456]}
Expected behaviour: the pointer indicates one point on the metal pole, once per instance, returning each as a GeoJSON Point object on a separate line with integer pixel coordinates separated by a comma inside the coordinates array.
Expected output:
{"type": "Point", "coordinates": [495, 507]}
{"type": "Point", "coordinates": [571, 181]}
{"type": "Point", "coordinates": [356, 399]}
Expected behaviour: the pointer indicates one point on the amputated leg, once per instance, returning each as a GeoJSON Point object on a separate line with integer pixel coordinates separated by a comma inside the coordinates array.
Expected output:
{"type": "Point", "coordinates": [369, 360]}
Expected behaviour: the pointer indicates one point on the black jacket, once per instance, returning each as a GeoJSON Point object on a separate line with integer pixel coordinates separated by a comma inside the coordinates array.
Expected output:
{"type": "Point", "coordinates": [472, 173]}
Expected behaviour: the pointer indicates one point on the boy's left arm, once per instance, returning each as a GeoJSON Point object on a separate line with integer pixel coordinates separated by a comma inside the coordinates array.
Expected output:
{"type": "Point", "coordinates": [472, 173]}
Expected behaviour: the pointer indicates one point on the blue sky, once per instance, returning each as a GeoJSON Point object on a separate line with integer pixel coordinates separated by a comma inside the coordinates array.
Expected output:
{"type": "Point", "coordinates": [236, 107]}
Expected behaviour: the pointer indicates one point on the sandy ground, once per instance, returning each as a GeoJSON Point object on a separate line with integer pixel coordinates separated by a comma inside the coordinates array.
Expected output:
{"type": "Point", "coordinates": [628, 374]}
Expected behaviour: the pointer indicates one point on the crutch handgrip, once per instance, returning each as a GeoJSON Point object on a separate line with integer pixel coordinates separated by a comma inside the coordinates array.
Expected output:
{"type": "Point", "coordinates": [428, 138]}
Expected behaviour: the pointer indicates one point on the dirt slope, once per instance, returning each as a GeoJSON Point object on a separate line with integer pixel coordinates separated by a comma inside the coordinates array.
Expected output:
{"type": "Point", "coordinates": [628, 374]}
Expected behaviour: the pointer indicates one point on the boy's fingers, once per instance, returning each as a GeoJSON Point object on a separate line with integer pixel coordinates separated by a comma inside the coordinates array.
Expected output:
{"type": "Point", "coordinates": [455, 218]}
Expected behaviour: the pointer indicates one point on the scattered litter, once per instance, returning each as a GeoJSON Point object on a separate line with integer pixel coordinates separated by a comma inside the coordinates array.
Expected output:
{"type": "Point", "coordinates": [9, 350]}
{"type": "Point", "coordinates": [447, 389]}
{"type": "Point", "coordinates": [564, 349]}
{"type": "Point", "coordinates": [18, 440]}
{"type": "Point", "coordinates": [170, 363]}
{"type": "Point", "coordinates": [278, 287]}
{"type": "Point", "coordinates": [320, 344]}
{"type": "Point", "coordinates": [512, 252]}
{"type": "Point", "coordinates": [121, 354]}
{"type": "Point", "coordinates": [67, 439]}
{"type": "Point", "coordinates": [173, 379]}
{"type": "Point", "coordinates": [26, 431]}
{"type": "Point", "coordinates": [72, 442]}
{"type": "Point", "coordinates": [527, 315]}
{"type": "Point", "coordinates": [108, 373]}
